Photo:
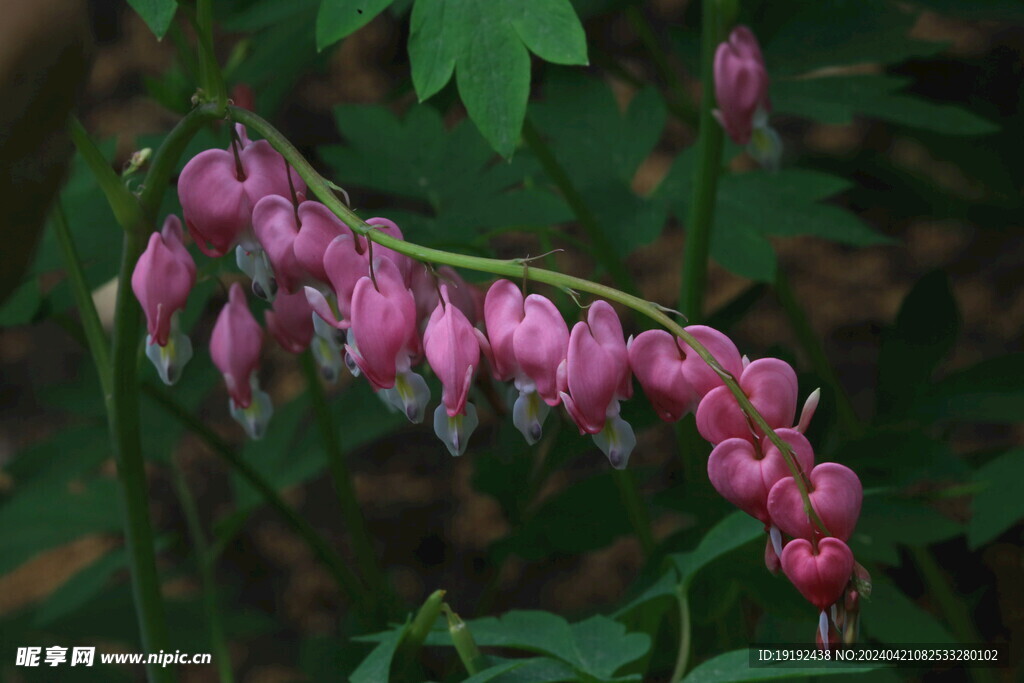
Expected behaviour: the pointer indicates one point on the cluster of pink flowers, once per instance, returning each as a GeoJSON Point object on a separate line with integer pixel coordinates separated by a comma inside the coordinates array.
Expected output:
{"type": "Point", "coordinates": [751, 472]}
{"type": "Point", "coordinates": [741, 92]}
{"type": "Point", "coordinates": [379, 313]}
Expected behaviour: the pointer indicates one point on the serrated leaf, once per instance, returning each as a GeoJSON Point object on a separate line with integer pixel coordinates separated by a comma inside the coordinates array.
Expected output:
{"type": "Point", "coordinates": [837, 99]}
{"type": "Point", "coordinates": [487, 46]}
{"type": "Point", "coordinates": [734, 667]}
{"type": "Point", "coordinates": [1000, 504]}
{"type": "Point", "coordinates": [338, 19]}
{"type": "Point", "coordinates": [449, 170]}
{"type": "Point", "coordinates": [158, 14]}
{"type": "Point", "coordinates": [752, 206]}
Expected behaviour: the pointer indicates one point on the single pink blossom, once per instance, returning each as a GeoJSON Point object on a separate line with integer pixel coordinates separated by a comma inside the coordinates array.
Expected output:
{"type": "Point", "coordinates": [741, 84]}
{"type": "Point", "coordinates": [235, 346]}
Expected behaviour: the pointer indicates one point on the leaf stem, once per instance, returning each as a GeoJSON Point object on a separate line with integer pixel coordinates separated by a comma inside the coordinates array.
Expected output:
{"type": "Point", "coordinates": [599, 242]}
{"type": "Point", "coordinates": [339, 569]}
{"type": "Point", "coordinates": [204, 563]}
{"type": "Point", "coordinates": [514, 268]}
{"type": "Point", "coordinates": [121, 200]}
{"type": "Point", "coordinates": [210, 75]}
{"type": "Point", "coordinates": [701, 215]}
{"type": "Point", "coordinates": [685, 634]}
{"type": "Point", "coordinates": [362, 545]}
{"type": "Point", "coordinates": [95, 336]}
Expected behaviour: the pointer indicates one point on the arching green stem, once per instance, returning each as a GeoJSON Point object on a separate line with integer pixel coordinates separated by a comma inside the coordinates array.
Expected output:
{"type": "Point", "coordinates": [514, 268]}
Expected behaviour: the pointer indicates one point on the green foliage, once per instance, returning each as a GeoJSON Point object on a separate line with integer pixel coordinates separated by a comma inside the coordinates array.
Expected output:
{"type": "Point", "coordinates": [837, 99]}
{"type": "Point", "coordinates": [999, 505]}
{"type": "Point", "coordinates": [751, 207]}
{"type": "Point", "coordinates": [450, 170]}
{"type": "Point", "coordinates": [734, 667]}
{"type": "Point", "coordinates": [487, 46]}
{"type": "Point", "coordinates": [158, 14]}
{"type": "Point", "coordinates": [339, 18]}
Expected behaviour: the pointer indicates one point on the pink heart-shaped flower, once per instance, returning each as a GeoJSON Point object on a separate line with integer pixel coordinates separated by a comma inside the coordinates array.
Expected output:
{"type": "Point", "coordinates": [771, 386]}
{"type": "Point", "coordinates": [744, 476]}
{"type": "Point", "coordinates": [835, 493]}
{"type": "Point", "coordinates": [822, 575]}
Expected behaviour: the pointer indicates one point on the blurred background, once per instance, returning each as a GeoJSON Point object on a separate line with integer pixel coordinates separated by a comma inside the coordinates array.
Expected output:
{"type": "Point", "coordinates": [945, 286]}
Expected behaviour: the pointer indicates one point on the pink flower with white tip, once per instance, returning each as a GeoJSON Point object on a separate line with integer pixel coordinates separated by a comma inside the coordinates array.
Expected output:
{"type": "Point", "coordinates": [598, 377]}
{"type": "Point", "coordinates": [235, 348]}
{"type": "Point", "coordinates": [672, 375]}
{"type": "Point", "coordinates": [453, 352]}
{"type": "Point", "coordinates": [528, 342]}
{"type": "Point", "coordinates": [383, 339]}
{"type": "Point", "coordinates": [741, 92]}
{"type": "Point", "coordinates": [219, 188]}
{"type": "Point", "coordinates": [163, 277]}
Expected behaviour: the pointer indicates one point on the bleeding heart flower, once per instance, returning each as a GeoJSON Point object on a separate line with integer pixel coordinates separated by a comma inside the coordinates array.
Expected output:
{"type": "Point", "coordinates": [453, 352]}
{"type": "Point", "coordinates": [318, 229]}
{"type": "Point", "coordinates": [235, 347]}
{"type": "Point", "coordinates": [771, 386]}
{"type": "Point", "coordinates": [275, 223]}
{"type": "Point", "coordinates": [291, 321]}
{"type": "Point", "coordinates": [741, 84]}
{"type": "Point", "coordinates": [383, 339]}
{"type": "Point", "coordinates": [163, 277]}
{"type": "Point", "coordinates": [219, 188]}
{"type": "Point", "coordinates": [819, 574]}
{"type": "Point", "coordinates": [835, 493]}
{"type": "Point", "coordinates": [672, 375]}
{"type": "Point", "coordinates": [744, 475]}
{"type": "Point", "coordinates": [388, 227]}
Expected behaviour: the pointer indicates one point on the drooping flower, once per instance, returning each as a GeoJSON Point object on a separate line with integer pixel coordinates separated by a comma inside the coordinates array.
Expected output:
{"type": "Point", "coordinates": [672, 375]}
{"type": "Point", "coordinates": [383, 339]}
{"type": "Point", "coordinates": [741, 92]}
{"type": "Point", "coordinates": [275, 224]}
{"type": "Point", "coordinates": [528, 341]}
{"type": "Point", "coordinates": [291, 321]}
{"type": "Point", "coordinates": [163, 277]}
{"type": "Point", "coordinates": [598, 377]}
{"type": "Point", "coordinates": [453, 352]}
{"type": "Point", "coordinates": [836, 494]}
{"type": "Point", "coordinates": [771, 386]}
{"type": "Point", "coordinates": [219, 188]}
{"type": "Point", "coordinates": [235, 347]}
{"type": "Point", "coordinates": [820, 572]}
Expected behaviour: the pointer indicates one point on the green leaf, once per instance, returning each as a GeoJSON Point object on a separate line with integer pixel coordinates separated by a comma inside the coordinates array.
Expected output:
{"type": "Point", "coordinates": [558, 528]}
{"type": "Point", "coordinates": [377, 665]}
{"type": "Point", "coordinates": [550, 29]}
{"type": "Point", "coordinates": [837, 99]}
{"type": "Point", "coordinates": [890, 616]}
{"type": "Point", "coordinates": [533, 670]}
{"type": "Point", "coordinates": [601, 147]}
{"type": "Point", "coordinates": [596, 647]}
{"type": "Point", "coordinates": [1000, 505]}
{"type": "Point", "coordinates": [487, 45]}
{"type": "Point", "coordinates": [991, 391]}
{"type": "Point", "coordinates": [752, 206]}
{"type": "Point", "coordinates": [338, 19]}
{"type": "Point", "coordinates": [493, 75]}
{"type": "Point", "coordinates": [32, 522]}
{"type": "Point", "coordinates": [737, 529]}
{"type": "Point", "coordinates": [734, 667]}
{"type": "Point", "coordinates": [837, 33]}
{"type": "Point", "coordinates": [158, 14]}
{"type": "Point", "coordinates": [449, 170]}
{"type": "Point", "coordinates": [925, 332]}
{"type": "Point", "coordinates": [886, 524]}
